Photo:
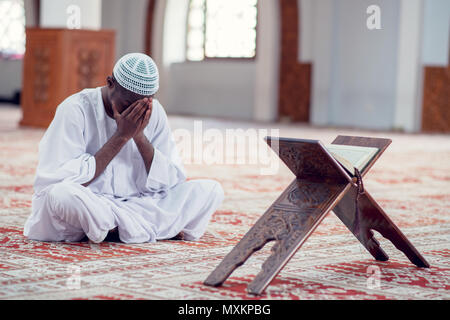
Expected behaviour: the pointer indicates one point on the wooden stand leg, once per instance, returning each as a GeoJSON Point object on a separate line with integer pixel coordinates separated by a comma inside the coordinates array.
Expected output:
{"type": "Point", "coordinates": [372, 217]}
{"type": "Point", "coordinates": [289, 222]}
{"type": "Point", "coordinates": [253, 241]}
{"type": "Point", "coordinates": [345, 211]}
{"type": "Point", "coordinates": [286, 246]}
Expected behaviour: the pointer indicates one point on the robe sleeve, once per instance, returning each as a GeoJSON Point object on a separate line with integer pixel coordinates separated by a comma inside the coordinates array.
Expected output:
{"type": "Point", "coordinates": [62, 150]}
{"type": "Point", "coordinates": [167, 169]}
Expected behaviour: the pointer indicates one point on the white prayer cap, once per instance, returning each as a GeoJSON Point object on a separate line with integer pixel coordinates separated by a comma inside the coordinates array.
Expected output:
{"type": "Point", "coordinates": [137, 73]}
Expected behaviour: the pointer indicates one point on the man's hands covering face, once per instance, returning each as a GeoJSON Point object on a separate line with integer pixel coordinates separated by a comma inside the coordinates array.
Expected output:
{"type": "Point", "coordinates": [132, 121]}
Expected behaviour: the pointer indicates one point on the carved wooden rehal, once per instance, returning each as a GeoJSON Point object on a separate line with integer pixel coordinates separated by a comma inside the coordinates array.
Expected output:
{"type": "Point", "coordinates": [321, 185]}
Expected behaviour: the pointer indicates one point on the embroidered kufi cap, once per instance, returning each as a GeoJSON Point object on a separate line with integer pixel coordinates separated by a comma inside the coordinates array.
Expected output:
{"type": "Point", "coordinates": [138, 73]}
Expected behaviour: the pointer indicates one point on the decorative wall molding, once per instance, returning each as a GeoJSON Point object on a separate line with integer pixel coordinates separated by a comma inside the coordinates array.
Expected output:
{"type": "Point", "coordinates": [88, 67]}
{"type": "Point", "coordinates": [41, 80]}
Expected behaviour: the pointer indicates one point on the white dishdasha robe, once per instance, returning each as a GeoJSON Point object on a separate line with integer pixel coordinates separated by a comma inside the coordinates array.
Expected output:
{"type": "Point", "coordinates": [144, 207]}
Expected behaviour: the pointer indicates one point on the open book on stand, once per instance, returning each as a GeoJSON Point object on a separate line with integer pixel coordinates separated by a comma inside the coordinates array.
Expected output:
{"type": "Point", "coordinates": [351, 157]}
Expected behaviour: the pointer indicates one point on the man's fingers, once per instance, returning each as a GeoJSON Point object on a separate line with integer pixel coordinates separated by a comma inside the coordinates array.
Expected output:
{"type": "Point", "coordinates": [136, 110]}
{"type": "Point", "coordinates": [143, 122]}
{"type": "Point", "coordinates": [150, 105]}
{"type": "Point", "coordinates": [148, 111]}
{"type": "Point", "coordinates": [141, 112]}
{"type": "Point", "coordinates": [130, 108]}
{"type": "Point", "coordinates": [141, 109]}
{"type": "Point", "coordinates": [147, 115]}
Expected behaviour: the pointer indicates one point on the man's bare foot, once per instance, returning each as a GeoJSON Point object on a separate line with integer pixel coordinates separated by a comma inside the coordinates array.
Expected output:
{"type": "Point", "coordinates": [179, 236]}
{"type": "Point", "coordinates": [113, 235]}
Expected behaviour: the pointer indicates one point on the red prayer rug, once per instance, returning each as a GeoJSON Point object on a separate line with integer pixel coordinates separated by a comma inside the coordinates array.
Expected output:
{"type": "Point", "coordinates": [411, 182]}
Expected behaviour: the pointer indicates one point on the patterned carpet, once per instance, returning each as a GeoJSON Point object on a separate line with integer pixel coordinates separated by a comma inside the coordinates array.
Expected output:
{"type": "Point", "coordinates": [411, 181]}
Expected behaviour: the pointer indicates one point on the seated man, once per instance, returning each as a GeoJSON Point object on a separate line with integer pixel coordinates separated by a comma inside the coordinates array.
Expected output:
{"type": "Point", "coordinates": [108, 162]}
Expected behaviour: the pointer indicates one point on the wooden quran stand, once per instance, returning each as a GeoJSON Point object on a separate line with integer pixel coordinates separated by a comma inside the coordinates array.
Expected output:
{"type": "Point", "coordinates": [321, 185]}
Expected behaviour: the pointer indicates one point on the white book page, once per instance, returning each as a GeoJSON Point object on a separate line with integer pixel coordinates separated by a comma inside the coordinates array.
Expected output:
{"type": "Point", "coordinates": [357, 156]}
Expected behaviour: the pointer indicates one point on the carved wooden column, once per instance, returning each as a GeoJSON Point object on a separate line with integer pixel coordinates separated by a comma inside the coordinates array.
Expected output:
{"type": "Point", "coordinates": [61, 62]}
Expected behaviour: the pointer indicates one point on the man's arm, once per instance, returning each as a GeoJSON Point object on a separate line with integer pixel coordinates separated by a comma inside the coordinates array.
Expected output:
{"type": "Point", "coordinates": [144, 146]}
{"type": "Point", "coordinates": [128, 124]}
{"type": "Point", "coordinates": [104, 156]}
{"type": "Point", "coordinates": [146, 150]}
{"type": "Point", "coordinates": [160, 157]}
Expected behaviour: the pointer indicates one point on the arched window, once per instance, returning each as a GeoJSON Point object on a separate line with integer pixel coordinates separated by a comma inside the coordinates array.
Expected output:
{"type": "Point", "coordinates": [12, 28]}
{"type": "Point", "coordinates": [221, 29]}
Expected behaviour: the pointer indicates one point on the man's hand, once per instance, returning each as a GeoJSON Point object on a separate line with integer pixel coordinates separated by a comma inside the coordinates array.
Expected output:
{"type": "Point", "coordinates": [129, 123]}
{"type": "Point", "coordinates": [144, 146]}
{"type": "Point", "coordinates": [145, 119]}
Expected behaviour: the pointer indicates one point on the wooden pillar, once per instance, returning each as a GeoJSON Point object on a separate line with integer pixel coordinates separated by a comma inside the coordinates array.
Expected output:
{"type": "Point", "coordinates": [295, 77]}
{"type": "Point", "coordinates": [149, 26]}
{"type": "Point", "coordinates": [436, 99]}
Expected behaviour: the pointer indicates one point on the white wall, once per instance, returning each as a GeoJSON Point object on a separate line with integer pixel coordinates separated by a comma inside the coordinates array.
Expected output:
{"type": "Point", "coordinates": [436, 32]}
{"type": "Point", "coordinates": [409, 72]}
{"type": "Point", "coordinates": [267, 62]}
{"type": "Point", "coordinates": [11, 70]}
{"type": "Point", "coordinates": [372, 78]}
{"type": "Point", "coordinates": [170, 34]}
{"type": "Point", "coordinates": [306, 32]}
{"type": "Point", "coordinates": [354, 68]}
{"type": "Point", "coordinates": [54, 13]}
{"type": "Point", "coordinates": [128, 19]}
{"type": "Point", "coordinates": [10, 77]}
{"type": "Point", "coordinates": [320, 48]}
{"type": "Point", "coordinates": [220, 89]}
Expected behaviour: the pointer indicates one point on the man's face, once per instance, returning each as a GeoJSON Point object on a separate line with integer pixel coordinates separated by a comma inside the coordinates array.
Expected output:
{"type": "Point", "coordinates": [122, 101]}
{"type": "Point", "coordinates": [123, 98]}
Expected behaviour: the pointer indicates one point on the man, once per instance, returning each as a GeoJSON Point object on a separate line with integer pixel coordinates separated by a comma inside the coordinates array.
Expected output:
{"type": "Point", "coordinates": [108, 164]}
